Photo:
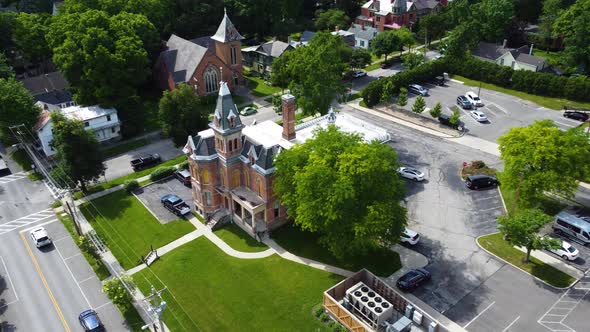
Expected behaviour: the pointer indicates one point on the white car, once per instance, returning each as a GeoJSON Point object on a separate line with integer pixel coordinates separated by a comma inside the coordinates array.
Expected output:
{"type": "Point", "coordinates": [359, 73]}
{"type": "Point", "coordinates": [409, 236]}
{"type": "Point", "coordinates": [478, 116]}
{"type": "Point", "coordinates": [566, 251]}
{"type": "Point", "coordinates": [40, 237]}
{"type": "Point", "coordinates": [411, 173]}
{"type": "Point", "coordinates": [474, 98]}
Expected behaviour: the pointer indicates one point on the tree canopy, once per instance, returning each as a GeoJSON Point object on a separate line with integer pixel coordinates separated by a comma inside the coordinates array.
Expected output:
{"type": "Point", "coordinates": [16, 107]}
{"type": "Point", "coordinates": [360, 58]}
{"type": "Point", "coordinates": [182, 114]}
{"type": "Point", "coordinates": [7, 23]}
{"type": "Point", "coordinates": [546, 158]}
{"type": "Point", "coordinates": [105, 58]}
{"type": "Point", "coordinates": [314, 72]}
{"type": "Point", "coordinates": [385, 43]}
{"type": "Point", "coordinates": [29, 34]}
{"type": "Point", "coordinates": [493, 16]}
{"type": "Point", "coordinates": [522, 229]}
{"type": "Point", "coordinates": [574, 25]}
{"type": "Point", "coordinates": [343, 189]}
{"type": "Point", "coordinates": [78, 150]}
{"type": "Point", "coordinates": [330, 19]}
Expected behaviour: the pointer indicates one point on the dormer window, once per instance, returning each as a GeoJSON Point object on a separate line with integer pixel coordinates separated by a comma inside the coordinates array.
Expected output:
{"type": "Point", "coordinates": [216, 121]}
{"type": "Point", "coordinates": [232, 122]}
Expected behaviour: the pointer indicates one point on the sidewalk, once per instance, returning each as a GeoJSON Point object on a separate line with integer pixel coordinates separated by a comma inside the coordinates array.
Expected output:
{"type": "Point", "coordinates": [410, 260]}
{"type": "Point", "coordinates": [557, 263]}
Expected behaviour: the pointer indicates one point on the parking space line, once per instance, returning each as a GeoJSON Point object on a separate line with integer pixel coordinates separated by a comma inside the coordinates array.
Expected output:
{"type": "Point", "coordinates": [62, 238]}
{"type": "Point", "coordinates": [9, 280]}
{"type": "Point", "coordinates": [75, 255]}
{"type": "Point", "coordinates": [89, 278]}
{"type": "Point", "coordinates": [102, 305]}
{"type": "Point", "coordinates": [39, 225]}
{"type": "Point", "coordinates": [507, 327]}
{"type": "Point", "coordinates": [476, 317]}
{"type": "Point", "coordinates": [72, 275]}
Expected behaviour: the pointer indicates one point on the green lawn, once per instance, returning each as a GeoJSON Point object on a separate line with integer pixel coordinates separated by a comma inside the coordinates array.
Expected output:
{"type": "Point", "coordinates": [95, 263]}
{"type": "Point", "coordinates": [260, 88]}
{"type": "Point", "coordinates": [124, 147]}
{"type": "Point", "coordinates": [238, 239]}
{"type": "Point", "coordinates": [216, 292]}
{"type": "Point", "coordinates": [128, 228]}
{"type": "Point", "coordinates": [496, 244]}
{"type": "Point", "coordinates": [22, 159]}
{"type": "Point", "coordinates": [382, 262]}
{"type": "Point", "coordinates": [132, 176]}
{"type": "Point", "coordinates": [546, 203]}
{"type": "Point", "coordinates": [549, 102]}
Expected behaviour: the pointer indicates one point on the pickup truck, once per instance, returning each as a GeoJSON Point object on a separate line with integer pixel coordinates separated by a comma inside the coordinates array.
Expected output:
{"type": "Point", "coordinates": [175, 205]}
{"type": "Point", "coordinates": [145, 161]}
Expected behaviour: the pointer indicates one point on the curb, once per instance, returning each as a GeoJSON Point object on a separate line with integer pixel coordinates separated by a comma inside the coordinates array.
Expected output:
{"type": "Point", "coordinates": [505, 261]}
{"type": "Point", "coordinates": [502, 199]}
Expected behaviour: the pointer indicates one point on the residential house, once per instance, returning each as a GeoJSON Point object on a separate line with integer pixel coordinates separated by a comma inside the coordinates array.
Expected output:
{"type": "Point", "coordinates": [102, 121]}
{"type": "Point", "coordinates": [517, 58]}
{"type": "Point", "coordinates": [305, 37]}
{"type": "Point", "coordinates": [51, 88]}
{"type": "Point", "coordinates": [260, 58]}
{"type": "Point", "coordinates": [203, 62]}
{"type": "Point", "coordinates": [232, 167]}
{"type": "Point", "coordinates": [388, 14]}
{"type": "Point", "coordinates": [347, 36]}
{"type": "Point", "coordinates": [363, 35]}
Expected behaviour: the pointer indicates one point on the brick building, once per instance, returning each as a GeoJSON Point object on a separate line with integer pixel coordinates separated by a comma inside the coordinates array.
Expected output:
{"type": "Point", "coordinates": [203, 62]}
{"type": "Point", "coordinates": [394, 14]}
{"type": "Point", "coordinates": [232, 166]}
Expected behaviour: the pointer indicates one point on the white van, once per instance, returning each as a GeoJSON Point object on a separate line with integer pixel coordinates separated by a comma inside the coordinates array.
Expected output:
{"type": "Point", "coordinates": [573, 226]}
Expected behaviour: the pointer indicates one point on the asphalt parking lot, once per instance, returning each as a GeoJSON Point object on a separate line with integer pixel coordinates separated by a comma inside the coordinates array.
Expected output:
{"type": "Point", "coordinates": [583, 260]}
{"type": "Point", "coordinates": [447, 215]}
{"type": "Point", "coordinates": [150, 197]}
{"type": "Point", "coordinates": [503, 111]}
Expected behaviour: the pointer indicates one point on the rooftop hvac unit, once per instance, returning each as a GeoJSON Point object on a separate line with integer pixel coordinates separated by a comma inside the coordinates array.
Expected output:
{"type": "Point", "coordinates": [432, 327]}
{"type": "Point", "coordinates": [370, 304]}
{"type": "Point", "coordinates": [409, 311]}
{"type": "Point", "coordinates": [417, 317]}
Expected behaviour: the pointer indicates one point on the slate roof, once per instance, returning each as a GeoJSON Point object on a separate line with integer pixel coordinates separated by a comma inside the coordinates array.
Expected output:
{"type": "Point", "coordinates": [528, 59]}
{"type": "Point", "coordinates": [492, 52]}
{"type": "Point", "coordinates": [55, 97]}
{"type": "Point", "coordinates": [203, 146]}
{"type": "Point", "coordinates": [306, 36]}
{"type": "Point", "coordinates": [274, 48]}
{"type": "Point", "coordinates": [226, 31]}
{"type": "Point", "coordinates": [489, 51]}
{"type": "Point", "coordinates": [425, 4]}
{"type": "Point", "coordinates": [368, 33]}
{"type": "Point", "coordinates": [46, 83]}
{"type": "Point", "coordinates": [225, 111]}
{"type": "Point", "coordinates": [182, 58]}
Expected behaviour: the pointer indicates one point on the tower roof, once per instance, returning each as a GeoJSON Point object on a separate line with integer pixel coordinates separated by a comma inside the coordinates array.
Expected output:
{"type": "Point", "coordinates": [226, 118]}
{"type": "Point", "coordinates": [226, 31]}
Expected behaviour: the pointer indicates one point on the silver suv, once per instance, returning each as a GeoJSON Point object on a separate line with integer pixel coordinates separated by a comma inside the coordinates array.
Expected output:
{"type": "Point", "coordinates": [418, 89]}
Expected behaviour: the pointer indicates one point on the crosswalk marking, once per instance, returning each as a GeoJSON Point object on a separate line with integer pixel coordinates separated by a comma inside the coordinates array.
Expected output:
{"type": "Point", "coordinates": [13, 177]}
{"type": "Point", "coordinates": [26, 220]}
{"type": "Point", "coordinates": [554, 317]}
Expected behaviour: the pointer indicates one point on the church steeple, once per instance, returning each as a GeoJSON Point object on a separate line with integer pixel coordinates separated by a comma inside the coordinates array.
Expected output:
{"type": "Point", "coordinates": [227, 125]}
{"type": "Point", "coordinates": [226, 32]}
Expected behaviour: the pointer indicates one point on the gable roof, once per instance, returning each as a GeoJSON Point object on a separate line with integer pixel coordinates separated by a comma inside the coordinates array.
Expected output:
{"type": "Point", "coordinates": [226, 31]}
{"type": "Point", "coordinates": [489, 51]}
{"type": "Point", "coordinates": [46, 83]}
{"type": "Point", "coordinates": [367, 33]}
{"type": "Point", "coordinates": [55, 97]}
{"type": "Point", "coordinates": [426, 4]}
{"type": "Point", "coordinates": [274, 48]}
{"type": "Point", "coordinates": [492, 52]}
{"type": "Point", "coordinates": [527, 58]}
{"type": "Point", "coordinates": [182, 58]}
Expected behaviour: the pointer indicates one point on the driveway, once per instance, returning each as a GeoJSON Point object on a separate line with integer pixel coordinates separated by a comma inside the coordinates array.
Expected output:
{"type": "Point", "coordinates": [447, 215]}
{"type": "Point", "coordinates": [150, 197]}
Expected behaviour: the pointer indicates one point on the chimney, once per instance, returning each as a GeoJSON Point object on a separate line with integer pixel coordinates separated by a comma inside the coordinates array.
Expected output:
{"type": "Point", "coordinates": [531, 49]}
{"type": "Point", "coordinates": [289, 107]}
{"type": "Point", "coordinates": [504, 43]}
{"type": "Point", "coordinates": [336, 28]}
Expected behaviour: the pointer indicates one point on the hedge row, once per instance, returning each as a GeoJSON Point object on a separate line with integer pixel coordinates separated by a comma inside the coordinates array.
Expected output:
{"type": "Point", "coordinates": [162, 172]}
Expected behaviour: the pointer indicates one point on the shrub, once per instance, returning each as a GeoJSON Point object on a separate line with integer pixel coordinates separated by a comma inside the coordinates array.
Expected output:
{"type": "Point", "coordinates": [436, 111]}
{"type": "Point", "coordinates": [454, 120]}
{"type": "Point", "coordinates": [339, 328]}
{"type": "Point", "coordinates": [131, 185]}
{"type": "Point", "coordinates": [373, 92]}
{"type": "Point", "coordinates": [183, 165]}
{"type": "Point", "coordinates": [477, 164]}
{"type": "Point", "coordinates": [419, 105]}
{"type": "Point", "coordinates": [402, 98]}
{"type": "Point", "coordinates": [117, 292]}
{"type": "Point", "coordinates": [324, 317]}
{"type": "Point", "coordinates": [331, 325]}
{"type": "Point", "coordinates": [87, 246]}
{"type": "Point", "coordinates": [319, 311]}
{"type": "Point", "coordinates": [161, 173]}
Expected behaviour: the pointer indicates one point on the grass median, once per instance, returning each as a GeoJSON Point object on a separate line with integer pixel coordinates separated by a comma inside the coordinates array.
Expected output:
{"type": "Point", "coordinates": [260, 88]}
{"type": "Point", "coordinates": [495, 244]}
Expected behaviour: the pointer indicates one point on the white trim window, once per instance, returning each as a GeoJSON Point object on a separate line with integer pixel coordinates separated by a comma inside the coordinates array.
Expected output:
{"type": "Point", "coordinates": [211, 77]}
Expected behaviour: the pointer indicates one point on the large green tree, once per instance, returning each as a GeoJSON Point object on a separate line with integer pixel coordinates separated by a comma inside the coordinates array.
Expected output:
{"type": "Point", "coordinates": [463, 38]}
{"type": "Point", "coordinates": [16, 107]}
{"type": "Point", "coordinates": [29, 34]}
{"type": "Point", "coordinates": [385, 43]}
{"type": "Point", "coordinates": [360, 58]}
{"type": "Point", "coordinates": [494, 17]}
{"type": "Point", "coordinates": [182, 114]}
{"type": "Point", "coordinates": [345, 190]}
{"type": "Point", "coordinates": [5, 69]}
{"type": "Point", "coordinates": [331, 19]}
{"type": "Point", "coordinates": [542, 158]}
{"type": "Point", "coordinates": [574, 25]}
{"type": "Point", "coordinates": [78, 151]}
{"type": "Point", "coordinates": [522, 229]}
{"type": "Point", "coordinates": [432, 27]}
{"type": "Point", "coordinates": [7, 23]}
{"type": "Point", "coordinates": [314, 72]}
{"type": "Point", "coordinates": [105, 58]}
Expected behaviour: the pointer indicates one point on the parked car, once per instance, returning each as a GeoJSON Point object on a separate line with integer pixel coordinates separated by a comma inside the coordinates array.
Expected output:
{"type": "Point", "coordinates": [145, 161]}
{"type": "Point", "coordinates": [248, 110]}
{"type": "Point", "coordinates": [175, 205]}
{"type": "Point", "coordinates": [411, 173]}
{"type": "Point", "coordinates": [464, 103]}
{"type": "Point", "coordinates": [184, 176]}
{"type": "Point", "coordinates": [409, 236]}
{"type": "Point", "coordinates": [40, 237]}
{"type": "Point", "coordinates": [90, 321]}
{"type": "Point", "coordinates": [359, 73]}
{"type": "Point", "coordinates": [566, 251]}
{"type": "Point", "coordinates": [479, 181]}
{"type": "Point", "coordinates": [474, 98]}
{"type": "Point", "coordinates": [385, 65]}
{"type": "Point", "coordinates": [439, 80]}
{"type": "Point", "coordinates": [418, 89]}
{"type": "Point", "coordinates": [413, 279]}
{"type": "Point", "coordinates": [576, 115]}
{"type": "Point", "coordinates": [479, 116]}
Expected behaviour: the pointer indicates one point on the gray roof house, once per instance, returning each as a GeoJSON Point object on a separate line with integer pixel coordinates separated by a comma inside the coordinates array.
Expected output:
{"type": "Point", "coordinates": [259, 58]}
{"type": "Point", "coordinates": [363, 35]}
{"type": "Point", "coordinates": [518, 58]}
{"type": "Point", "coordinates": [51, 88]}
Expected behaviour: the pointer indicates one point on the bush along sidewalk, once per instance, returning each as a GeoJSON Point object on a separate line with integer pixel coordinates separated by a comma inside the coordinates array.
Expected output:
{"type": "Point", "coordinates": [322, 316]}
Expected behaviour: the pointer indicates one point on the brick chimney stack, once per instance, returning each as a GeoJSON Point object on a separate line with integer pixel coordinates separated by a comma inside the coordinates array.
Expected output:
{"type": "Point", "coordinates": [289, 107]}
{"type": "Point", "coordinates": [336, 28]}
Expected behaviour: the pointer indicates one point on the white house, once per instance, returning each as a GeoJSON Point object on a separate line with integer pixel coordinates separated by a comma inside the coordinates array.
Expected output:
{"type": "Point", "coordinates": [363, 35]}
{"type": "Point", "coordinates": [521, 58]}
{"type": "Point", "coordinates": [102, 121]}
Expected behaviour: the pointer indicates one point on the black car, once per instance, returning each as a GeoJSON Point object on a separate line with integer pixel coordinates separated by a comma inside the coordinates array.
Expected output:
{"type": "Point", "coordinates": [481, 181]}
{"type": "Point", "coordinates": [576, 115]}
{"type": "Point", "coordinates": [413, 279]}
{"type": "Point", "coordinates": [439, 80]}
{"type": "Point", "coordinates": [464, 103]}
{"type": "Point", "coordinates": [90, 321]}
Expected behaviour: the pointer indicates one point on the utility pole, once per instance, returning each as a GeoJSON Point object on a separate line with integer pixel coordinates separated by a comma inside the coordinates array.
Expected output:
{"type": "Point", "coordinates": [156, 306]}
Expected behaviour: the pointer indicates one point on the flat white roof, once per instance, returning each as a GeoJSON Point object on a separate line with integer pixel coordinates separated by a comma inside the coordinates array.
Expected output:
{"type": "Point", "coordinates": [268, 134]}
{"type": "Point", "coordinates": [86, 113]}
{"type": "Point", "coordinates": [344, 122]}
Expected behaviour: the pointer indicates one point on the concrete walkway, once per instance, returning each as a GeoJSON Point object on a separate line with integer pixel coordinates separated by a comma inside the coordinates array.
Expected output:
{"type": "Point", "coordinates": [557, 263]}
{"type": "Point", "coordinates": [410, 260]}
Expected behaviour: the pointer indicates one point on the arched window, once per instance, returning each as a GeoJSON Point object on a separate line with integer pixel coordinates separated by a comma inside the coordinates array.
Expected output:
{"type": "Point", "coordinates": [259, 187]}
{"type": "Point", "coordinates": [247, 178]}
{"type": "Point", "coordinates": [205, 176]}
{"type": "Point", "coordinates": [211, 77]}
{"type": "Point", "coordinates": [236, 179]}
